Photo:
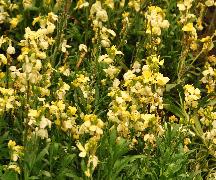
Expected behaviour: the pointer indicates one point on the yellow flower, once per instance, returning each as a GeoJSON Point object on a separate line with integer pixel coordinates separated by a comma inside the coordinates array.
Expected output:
{"type": "Point", "coordinates": [147, 74]}
{"type": "Point", "coordinates": [15, 21]}
{"type": "Point", "coordinates": [61, 105]}
{"type": "Point", "coordinates": [3, 59]}
{"type": "Point", "coordinates": [161, 80]}
{"type": "Point", "coordinates": [2, 40]}
{"type": "Point", "coordinates": [181, 6]}
{"type": "Point", "coordinates": [110, 3]}
{"type": "Point", "coordinates": [105, 58]}
{"type": "Point", "coordinates": [27, 4]}
{"type": "Point", "coordinates": [33, 113]}
{"type": "Point", "coordinates": [15, 168]}
{"type": "Point", "coordinates": [95, 8]}
{"type": "Point", "coordinates": [111, 71]}
{"type": "Point", "coordinates": [88, 172]}
{"type": "Point", "coordinates": [50, 27]}
{"type": "Point", "coordinates": [93, 160]}
{"type": "Point", "coordinates": [36, 19]}
{"type": "Point", "coordinates": [81, 4]}
{"type": "Point", "coordinates": [52, 16]}
{"type": "Point", "coordinates": [83, 152]}
{"type": "Point", "coordinates": [188, 27]}
{"type": "Point", "coordinates": [72, 110]}
{"type": "Point", "coordinates": [11, 144]}
{"type": "Point", "coordinates": [45, 122]}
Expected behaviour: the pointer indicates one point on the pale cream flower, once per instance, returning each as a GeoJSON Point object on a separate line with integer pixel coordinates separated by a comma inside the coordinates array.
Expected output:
{"type": "Point", "coordinates": [102, 15]}
{"type": "Point", "coordinates": [210, 3]}
{"type": "Point", "coordinates": [27, 4]}
{"type": "Point", "coordinates": [45, 122]}
{"type": "Point", "coordinates": [81, 4]}
{"type": "Point", "coordinates": [83, 47]}
{"type": "Point", "coordinates": [10, 50]}
{"type": "Point", "coordinates": [42, 133]}
{"type": "Point", "coordinates": [64, 46]}
{"type": "Point", "coordinates": [83, 152]}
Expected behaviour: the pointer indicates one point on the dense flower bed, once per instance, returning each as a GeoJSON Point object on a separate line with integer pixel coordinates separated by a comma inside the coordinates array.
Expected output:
{"type": "Point", "coordinates": [109, 89]}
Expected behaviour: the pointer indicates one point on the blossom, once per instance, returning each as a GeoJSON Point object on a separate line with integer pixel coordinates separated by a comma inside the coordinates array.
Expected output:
{"type": "Point", "coordinates": [191, 96]}
{"type": "Point", "coordinates": [15, 21]}
{"type": "Point", "coordinates": [81, 4]}
{"type": "Point", "coordinates": [83, 150]}
{"type": "Point", "coordinates": [161, 80]}
{"type": "Point", "coordinates": [3, 59]}
{"type": "Point", "coordinates": [10, 50]}
{"type": "Point", "coordinates": [27, 4]}
{"type": "Point", "coordinates": [64, 46]}
{"type": "Point", "coordinates": [83, 47]}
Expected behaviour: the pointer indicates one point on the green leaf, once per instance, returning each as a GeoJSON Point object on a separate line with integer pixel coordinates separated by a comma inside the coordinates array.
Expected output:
{"type": "Point", "coordinates": [33, 177]}
{"type": "Point", "coordinates": [170, 86]}
{"type": "Point", "coordinates": [68, 173]}
{"type": "Point", "coordinates": [124, 162]}
{"type": "Point", "coordinates": [67, 160]}
{"type": "Point", "coordinates": [42, 154]}
{"type": "Point", "coordinates": [9, 175]}
{"type": "Point", "coordinates": [198, 127]}
{"type": "Point", "coordinates": [46, 173]}
{"type": "Point", "coordinates": [176, 110]}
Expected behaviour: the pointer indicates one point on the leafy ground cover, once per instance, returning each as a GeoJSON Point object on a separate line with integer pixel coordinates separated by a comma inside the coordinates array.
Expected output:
{"type": "Point", "coordinates": [109, 89]}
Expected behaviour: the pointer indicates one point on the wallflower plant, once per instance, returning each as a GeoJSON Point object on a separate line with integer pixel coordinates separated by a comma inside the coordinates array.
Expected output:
{"type": "Point", "coordinates": [107, 89]}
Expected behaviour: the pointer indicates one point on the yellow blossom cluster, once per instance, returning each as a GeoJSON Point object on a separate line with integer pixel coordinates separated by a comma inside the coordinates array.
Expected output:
{"type": "Point", "coordinates": [81, 4]}
{"type": "Point", "coordinates": [136, 101]}
{"type": "Point", "coordinates": [82, 82]}
{"type": "Point", "coordinates": [192, 95]}
{"type": "Point", "coordinates": [209, 78]}
{"type": "Point", "coordinates": [16, 152]}
{"type": "Point", "coordinates": [210, 136]}
{"type": "Point", "coordinates": [207, 116]}
{"type": "Point", "coordinates": [62, 112]}
{"type": "Point", "coordinates": [208, 45]}
{"type": "Point", "coordinates": [99, 16]}
{"type": "Point", "coordinates": [186, 19]}
{"type": "Point", "coordinates": [8, 100]}
{"type": "Point", "coordinates": [33, 51]}
{"type": "Point", "coordinates": [38, 123]}
{"type": "Point", "coordinates": [155, 20]}
{"type": "Point", "coordinates": [93, 126]}
{"type": "Point", "coordinates": [135, 4]}
{"type": "Point", "coordinates": [6, 8]}
{"type": "Point", "coordinates": [108, 60]}
{"type": "Point", "coordinates": [89, 150]}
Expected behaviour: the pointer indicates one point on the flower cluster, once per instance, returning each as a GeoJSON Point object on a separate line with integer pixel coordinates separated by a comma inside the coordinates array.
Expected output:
{"type": "Point", "coordinates": [102, 34]}
{"type": "Point", "coordinates": [209, 74]}
{"type": "Point", "coordinates": [192, 95]}
{"type": "Point", "coordinates": [155, 20]}
{"type": "Point", "coordinates": [136, 101]}
{"type": "Point", "coordinates": [108, 62]}
{"type": "Point", "coordinates": [16, 152]}
{"type": "Point", "coordinates": [135, 4]}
